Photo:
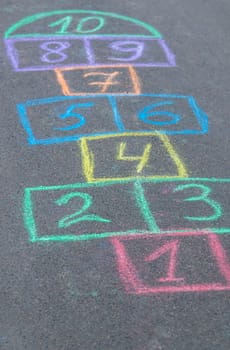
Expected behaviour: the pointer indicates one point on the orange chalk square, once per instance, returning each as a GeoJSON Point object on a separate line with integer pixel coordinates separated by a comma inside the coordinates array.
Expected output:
{"type": "Point", "coordinates": [98, 80]}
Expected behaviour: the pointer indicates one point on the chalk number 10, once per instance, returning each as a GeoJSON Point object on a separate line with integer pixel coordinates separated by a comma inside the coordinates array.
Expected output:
{"type": "Point", "coordinates": [88, 24]}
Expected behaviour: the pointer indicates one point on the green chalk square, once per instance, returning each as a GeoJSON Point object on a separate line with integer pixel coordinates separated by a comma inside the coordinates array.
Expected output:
{"type": "Point", "coordinates": [205, 181]}
{"type": "Point", "coordinates": [141, 202]}
{"type": "Point", "coordinates": [31, 219]}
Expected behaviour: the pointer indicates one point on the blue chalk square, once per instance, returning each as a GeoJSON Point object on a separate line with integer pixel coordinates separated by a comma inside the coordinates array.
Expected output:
{"type": "Point", "coordinates": [66, 118]}
{"type": "Point", "coordinates": [168, 114]}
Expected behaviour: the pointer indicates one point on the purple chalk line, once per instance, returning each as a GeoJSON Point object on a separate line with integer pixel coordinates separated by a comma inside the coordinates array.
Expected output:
{"type": "Point", "coordinates": [89, 51]}
{"type": "Point", "coordinates": [13, 55]}
{"type": "Point", "coordinates": [170, 56]}
{"type": "Point", "coordinates": [80, 37]}
{"type": "Point", "coordinates": [32, 69]}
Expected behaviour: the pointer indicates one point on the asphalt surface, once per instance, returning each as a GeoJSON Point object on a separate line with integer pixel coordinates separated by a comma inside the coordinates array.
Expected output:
{"type": "Point", "coordinates": [86, 293]}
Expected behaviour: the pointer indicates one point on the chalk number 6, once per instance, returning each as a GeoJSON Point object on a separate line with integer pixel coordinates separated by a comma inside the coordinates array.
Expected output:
{"type": "Point", "coordinates": [203, 197]}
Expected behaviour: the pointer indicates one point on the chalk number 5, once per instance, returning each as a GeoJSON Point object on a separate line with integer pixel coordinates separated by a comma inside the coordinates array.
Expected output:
{"type": "Point", "coordinates": [203, 197]}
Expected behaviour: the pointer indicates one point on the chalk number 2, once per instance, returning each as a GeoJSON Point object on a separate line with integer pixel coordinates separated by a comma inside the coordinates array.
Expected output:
{"type": "Point", "coordinates": [77, 216]}
{"type": "Point", "coordinates": [203, 197]}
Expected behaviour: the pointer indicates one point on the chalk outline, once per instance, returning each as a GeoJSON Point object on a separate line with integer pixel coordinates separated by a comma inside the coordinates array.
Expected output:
{"type": "Point", "coordinates": [30, 224]}
{"type": "Point", "coordinates": [25, 122]}
{"type": "Point", "coordinates": [88, 165]}
{"type": "Point", "coordinates": [134, 285]}
{"type": "Point", "coordinates": [33, 18]}
{"type": "Point", "coordinates": [200, 117]}
{"type": "Point", "coordinates": [199, 114]}
{"type": "Point", "coordinates": [12, 53]}
{"type": "Point", "coordinates": [66, 89]}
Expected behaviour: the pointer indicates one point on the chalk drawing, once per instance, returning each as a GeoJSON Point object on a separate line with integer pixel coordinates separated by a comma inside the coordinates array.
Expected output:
{"type": "Point", "coordinates": [66, 22]}
{"type": "Point", "coordinates": [98, 80]}
{"type": "Point", "coordinates": [204, 199]}
{"type": "Point", "coordinates": [71, 114]}
{"type": "Point", "coordinates": [158, 144]}
{"type": "Point", "coordinates": [145, 52]}
{"type": "Point", "coordinates": [171, 248]}
{"type": "Point", "coordinates": [204, 196]}
{"type": "Point", "coordinates": [107, 38]}
{"type": "Point", "coordinates": [93, 55]}
{"type": "Point", "coordinates": [81, 203]}
{"type": "Point", "coordinates": [39, 54]}
{"type": "Point", "coordinates": [143, 159]}
{"type": "Point", "coordinates": [73, 118]}
{"type": "Point", "coordinates": [145, 114]}
{"type": "Point", "coordinates": [139, 276]}
{"type": "Point", "coordinates": [54, 48]}
{"type": "Point", "coordinates": [110, 80]}
{"type": "Point", "coordinates": [135, 47]}
{"type": "Point", "coordinates": [76, 217]}
{"type": "Point", "coordinates": [78, 213]}
{"type": "Point", "coordinates": [79, 117]}
{"type": "Point", "coordinates": [166, 113]}
{"type": "Point", "coordinates": [24, 27]}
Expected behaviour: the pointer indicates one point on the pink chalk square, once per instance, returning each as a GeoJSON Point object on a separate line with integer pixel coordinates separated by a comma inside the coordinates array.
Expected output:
{"type": "Point", "coordinates": [170, 263]}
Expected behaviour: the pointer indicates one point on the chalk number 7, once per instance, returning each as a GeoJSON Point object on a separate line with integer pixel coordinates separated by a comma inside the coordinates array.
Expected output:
{"type": "Point", "coordinates": [203, 197]}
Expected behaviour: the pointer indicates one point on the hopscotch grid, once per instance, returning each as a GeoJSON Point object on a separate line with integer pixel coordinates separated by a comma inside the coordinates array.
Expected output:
{"type": "Point", "coordinates": [142, 203]}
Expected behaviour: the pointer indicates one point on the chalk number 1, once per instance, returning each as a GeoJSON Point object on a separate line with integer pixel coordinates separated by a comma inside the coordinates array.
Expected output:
{"type": "Point", "coordinates": [203, 197]}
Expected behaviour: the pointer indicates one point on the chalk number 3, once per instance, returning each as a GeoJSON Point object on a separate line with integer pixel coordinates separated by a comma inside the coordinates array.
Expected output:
{"type": "Point", "coordinates": [203, 197]}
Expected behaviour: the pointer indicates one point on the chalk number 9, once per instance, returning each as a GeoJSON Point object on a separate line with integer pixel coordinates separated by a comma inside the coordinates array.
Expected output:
{"type": "Point", "coordinates": [135, 48]}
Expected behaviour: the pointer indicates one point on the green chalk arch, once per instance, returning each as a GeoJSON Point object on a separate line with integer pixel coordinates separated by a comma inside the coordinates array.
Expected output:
{"type": "Point", "coordinates": [30, 19]}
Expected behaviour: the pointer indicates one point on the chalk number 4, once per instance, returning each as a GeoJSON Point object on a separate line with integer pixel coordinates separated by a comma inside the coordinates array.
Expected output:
{"type": "Point", "coordinates": [203, 197]}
